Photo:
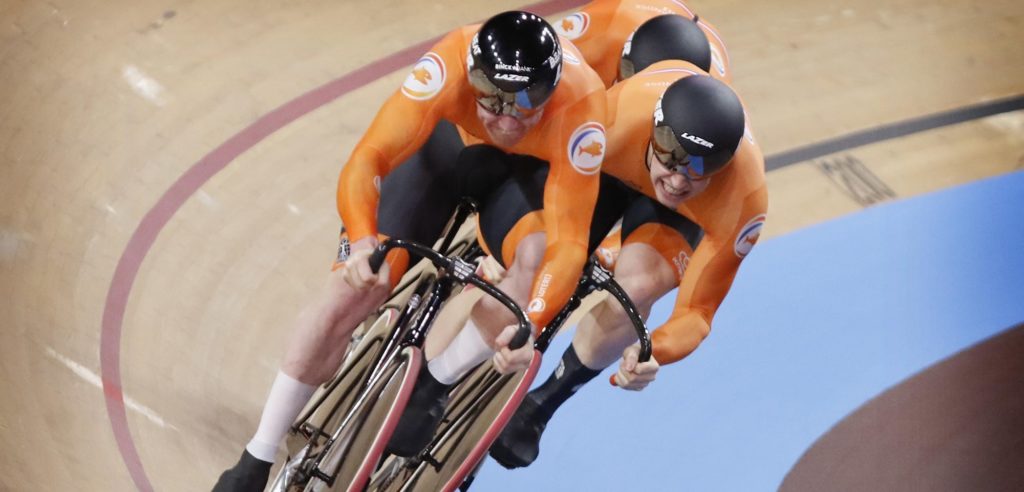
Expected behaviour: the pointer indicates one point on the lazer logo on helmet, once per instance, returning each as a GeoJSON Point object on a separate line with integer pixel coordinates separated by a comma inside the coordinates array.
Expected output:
{"type": "Point", "coordinates": [555, 58]}
{"type": "Point", "coordinates": [511, 77]}
{"type": "Point", "coordinates": [697, 140]}
{"type": "Point", "coordinates": [628, 46]}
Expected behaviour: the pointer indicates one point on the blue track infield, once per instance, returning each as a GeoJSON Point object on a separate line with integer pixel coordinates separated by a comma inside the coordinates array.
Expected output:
{"type": "Point", "coordinates": [818, 322]}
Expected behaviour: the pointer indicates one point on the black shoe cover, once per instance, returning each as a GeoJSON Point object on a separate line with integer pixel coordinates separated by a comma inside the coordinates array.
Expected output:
{"type": "Point", "coordinates": [422, 415]}
{"type": "Point", "coordinates": [250, 474]}
{"type": "Point", "coordinates": [519, 443]}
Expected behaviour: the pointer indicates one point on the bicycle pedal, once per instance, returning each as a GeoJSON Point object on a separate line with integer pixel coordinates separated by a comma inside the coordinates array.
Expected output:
{"type": "Point", "coordinates": [306, 429]}
{"type": "Point", "coordinates": [430, 460]}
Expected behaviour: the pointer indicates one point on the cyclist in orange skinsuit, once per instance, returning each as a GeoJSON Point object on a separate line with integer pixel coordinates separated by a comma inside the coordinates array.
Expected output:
{"type": "Point", "coordinates": [601, 29]}
{"type": "Point", "coordinates": [512, 91]}
{"type": "Point", "coordinates": [730, 211]}
{"type": "Point", "coordinates": [518, 212]}
{"type": "Point", "coordinates": [617, 36]}
{"type": "Point", "coordinates": [703, 206]}
{"type": "Point", "coordinates": [576, 109]}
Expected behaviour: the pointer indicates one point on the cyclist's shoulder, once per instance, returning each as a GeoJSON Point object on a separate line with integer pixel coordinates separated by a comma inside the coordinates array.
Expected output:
{"type": "Point", "coordinates": [453, 45]}
{"type": "Point", "coordinates": [580, 93]}
{"type": "Point", "coordinates": [578, 77]}
{"type": "Point", "coordinates": [639, 11]}
{"type": "Point", "coordinates": [748, 161]}
{"type": "Point", "coordinates": [735, 196]}
{"type": "Point", "coordinates": [589, 22]}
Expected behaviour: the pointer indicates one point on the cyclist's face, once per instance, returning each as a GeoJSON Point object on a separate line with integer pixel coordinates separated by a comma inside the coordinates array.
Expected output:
{"type": "Point", "coordinates": [672, 188]}
{"type": "Point", "coordinates": [506, 119]}
{"type": "Point", "coordinates": [506, 130]}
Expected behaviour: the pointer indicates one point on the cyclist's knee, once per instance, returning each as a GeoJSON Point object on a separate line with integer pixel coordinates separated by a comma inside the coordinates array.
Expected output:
{"type": "Point", "coordinates": [610, 320]}
{"type": "Point", "coordinates": [644, 274]}
{"type": "Point", "coordinates": [339, 305]}
{"type": "Point", "coordinates": [491, 315]}
{"type": "Point", "coordinates": [529, 255]}
{"type": "Point", "coordinates": [603, 334]}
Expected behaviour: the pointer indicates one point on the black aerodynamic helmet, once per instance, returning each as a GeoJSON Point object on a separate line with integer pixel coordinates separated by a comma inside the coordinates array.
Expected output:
{"type": "Point", "coordinates": [515, 60]}
{"type": "Point", "coordinates": [698, 124]}
{"type": "Point", "coordinates": [665, 37]}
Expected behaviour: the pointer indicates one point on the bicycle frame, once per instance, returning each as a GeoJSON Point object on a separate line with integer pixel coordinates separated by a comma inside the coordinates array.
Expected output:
{"type": "Point", "coordinates": [450, 271]}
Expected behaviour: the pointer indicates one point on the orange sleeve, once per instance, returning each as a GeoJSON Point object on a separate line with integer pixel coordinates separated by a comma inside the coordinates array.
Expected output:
{"type": "Point", "coordinates": [588, 29]}
{"type": "Point", "coordinates": [707, 280]}
{"type": "Point", "coordinates": [402, 126]}
{"type": "Point", "coordinates": [570, 195]}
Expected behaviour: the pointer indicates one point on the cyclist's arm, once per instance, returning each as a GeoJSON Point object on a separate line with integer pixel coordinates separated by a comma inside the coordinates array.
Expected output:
{"type": "Point", "coordinates": [401, 127]}
{"type": "Point", "coordinates": [570, 195]}
{"type": "Point", "coordinates": [705, 283]}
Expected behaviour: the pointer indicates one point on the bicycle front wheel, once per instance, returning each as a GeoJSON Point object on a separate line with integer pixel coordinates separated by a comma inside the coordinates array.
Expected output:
{"type": "Point", "coordinates": [356, 451]}
{"type": "Point", "coordinates": [480, 407]}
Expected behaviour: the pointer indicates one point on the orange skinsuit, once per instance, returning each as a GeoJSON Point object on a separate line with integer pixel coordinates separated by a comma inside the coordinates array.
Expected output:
{"type": "Point", "coordinates": [438, 88]}
{"type": "Point", "coordinates": [731, 210]}
{"type": "Point", "coordinates": [600, 30]}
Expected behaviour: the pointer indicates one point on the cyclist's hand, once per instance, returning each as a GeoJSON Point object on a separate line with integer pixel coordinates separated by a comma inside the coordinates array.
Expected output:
{"type": "Point", "coordinates": [633, 375]}
{"type": "Point", "coordinates": [506, 360]}
{"type": "Point", "coordinates": [490, 269]}
{"type": "Point", "coordinates": [357, 270]}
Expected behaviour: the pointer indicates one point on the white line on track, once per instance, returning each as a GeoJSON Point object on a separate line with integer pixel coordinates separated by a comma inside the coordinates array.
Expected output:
{"type": "Point", "coordinates": [144, 85]}
{"type": "Point", "coordinates": [94, 379]}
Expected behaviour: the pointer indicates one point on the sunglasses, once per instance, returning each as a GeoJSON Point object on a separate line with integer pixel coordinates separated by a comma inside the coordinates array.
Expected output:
{"type": "Point", "coordinates": [672, 156]}
{"type": "Point", "coordinates": [499, 102]}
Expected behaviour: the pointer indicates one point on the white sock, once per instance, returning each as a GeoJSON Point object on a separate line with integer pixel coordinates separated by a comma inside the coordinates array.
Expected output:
{"type": "Point", "coordinates": [464, 353]}
{"type": "Point", "coordinates": [287, 398]}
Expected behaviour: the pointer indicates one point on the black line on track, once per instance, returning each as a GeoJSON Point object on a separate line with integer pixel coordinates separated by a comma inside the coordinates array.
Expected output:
{"type": "Point", "coordinates": [894, 130]}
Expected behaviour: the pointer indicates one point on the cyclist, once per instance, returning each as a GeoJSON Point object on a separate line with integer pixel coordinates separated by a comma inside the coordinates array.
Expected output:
{"type": "Point", "coordinates": [504, 83]}
{"type": "Point", "coordinates": [621, 37]}
{"type": "Point", "coordinates": [613, 35]}
{"type": "Point", "coordinates": [641, 36]}
{"type": "Point", "coordinates": [702, 177]}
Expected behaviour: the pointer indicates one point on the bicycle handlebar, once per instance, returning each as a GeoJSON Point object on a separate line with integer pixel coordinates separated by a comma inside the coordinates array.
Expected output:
{"type": "Point", "coordinates": [645, 339]}
{"type": "Point", "coordinates": [464, 272]}
{"type": "Point", "coordinates": [601, 278]}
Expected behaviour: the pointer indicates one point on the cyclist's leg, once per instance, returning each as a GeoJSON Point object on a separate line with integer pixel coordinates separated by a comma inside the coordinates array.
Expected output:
{"type": "Point", "coordinates": [418, 198]}
{"type": "Point", "coordinates": [509, 212]}
{"type": "Point", "coordinates": [518, 243]}
{"type": "Point", "coordinates": [658, 242]}
{"type": "Point", "coordinates": [323, 329]}
{"type": "Point", "coordinates": [511, 229]}
{"type": "Point", "coordinates": [655, 239]}
{"type": "Point", "coordinates": [481, 169]}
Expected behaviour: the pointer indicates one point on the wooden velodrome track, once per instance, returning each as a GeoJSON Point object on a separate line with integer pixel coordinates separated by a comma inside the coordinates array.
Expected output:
{"type": "Point", "coordinates": [145, 293]}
